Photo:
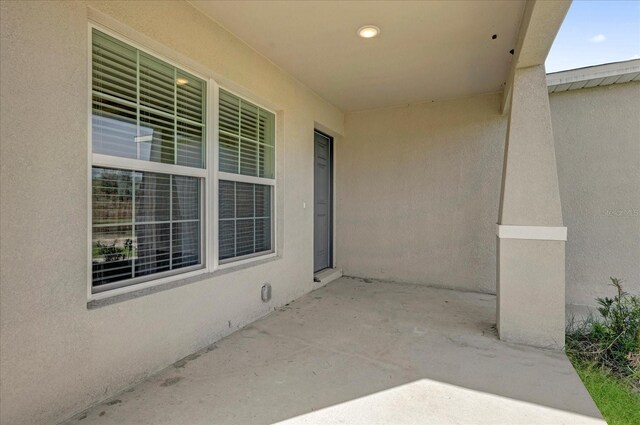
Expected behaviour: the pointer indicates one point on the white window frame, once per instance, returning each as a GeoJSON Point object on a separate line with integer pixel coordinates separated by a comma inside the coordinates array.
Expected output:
{"type": "Point", "coordinates": [210, 175]}
{"type": "Point", "coordinates": [207, 174]}
{"type": "Point", "coordinates": [221, 175]}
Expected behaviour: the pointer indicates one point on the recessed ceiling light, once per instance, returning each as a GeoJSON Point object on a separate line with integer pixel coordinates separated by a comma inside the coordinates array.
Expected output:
{"type": "Point", "coordinates": [368, 31]}
{"type": "Point", "coordinates": [181, 81]}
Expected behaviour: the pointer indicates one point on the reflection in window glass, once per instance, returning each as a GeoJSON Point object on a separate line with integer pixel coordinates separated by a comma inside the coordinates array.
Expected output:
{"type": "Point", "coordinates": [143, 223]}
{"type": "Point", "coordinates": [145, 108]}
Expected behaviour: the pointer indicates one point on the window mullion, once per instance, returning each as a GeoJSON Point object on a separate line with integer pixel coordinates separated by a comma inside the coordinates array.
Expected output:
{"type": "Point", "coordinates": [239, 132]}
{"type": "Point", "coordinates": [133, 223]}
{"type": "Point", "coordinates": [175, 116]}
{"type": "Point", "coordinates": [141, 165]}
{"type": "Point", "coordinates": [254, 218]}
{"type": "Point", "coordinates": [137, 102]}
{"type": "Point", "coordinates": [170, 222]}
{"type": "Point", "coordinates": [235, 221]}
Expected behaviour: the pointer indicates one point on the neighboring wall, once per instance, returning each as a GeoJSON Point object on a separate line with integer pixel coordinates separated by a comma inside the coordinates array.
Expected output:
{"type": "Point", "coordinates": [58, 356]}
{"type": "Point", "coordinates": [418, 190]}
{"type": "Point", "coordinates": [597, 137]}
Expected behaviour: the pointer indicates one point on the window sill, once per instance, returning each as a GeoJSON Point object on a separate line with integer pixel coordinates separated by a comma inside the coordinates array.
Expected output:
{"type": "Point", "coordinates": [137, 293]}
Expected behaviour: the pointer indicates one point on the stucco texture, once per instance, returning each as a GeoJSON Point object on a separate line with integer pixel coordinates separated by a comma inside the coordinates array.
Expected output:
{"type": "Point", "coordinates": [418, 193]}
{"type": "Point", "coordinates": [57, 356]}
{"type": "Point", "coordinates": [597, 139]}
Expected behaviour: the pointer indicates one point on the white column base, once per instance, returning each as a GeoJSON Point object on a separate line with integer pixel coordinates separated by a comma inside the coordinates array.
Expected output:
{"type": "Point", "coordinates": [531, 285]}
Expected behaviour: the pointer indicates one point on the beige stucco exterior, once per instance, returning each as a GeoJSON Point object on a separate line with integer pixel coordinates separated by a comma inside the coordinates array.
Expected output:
{"type": "Point", "coordinates": [597, 139]}
{"type": "Point", "coordinates": [58, 356]}
{"type": "Point", "coordinates": [418, 193]}
{"type": "Point", "coordinates": [530, 267]}
{"type": "Point", "coordinates": [446, 159]}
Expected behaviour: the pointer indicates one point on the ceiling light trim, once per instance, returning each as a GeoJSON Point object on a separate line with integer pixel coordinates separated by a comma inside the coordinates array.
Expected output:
{"type": "Point", "coordinates": [368, 31]}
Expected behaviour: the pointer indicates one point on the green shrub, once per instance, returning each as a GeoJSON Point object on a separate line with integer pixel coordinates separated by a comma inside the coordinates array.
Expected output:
{"type": "Point", "coordinates": [612, 340]}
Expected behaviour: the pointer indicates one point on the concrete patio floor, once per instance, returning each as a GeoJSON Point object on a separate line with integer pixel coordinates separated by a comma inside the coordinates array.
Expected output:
{"type": "Point", "coordinates": [362, 352]}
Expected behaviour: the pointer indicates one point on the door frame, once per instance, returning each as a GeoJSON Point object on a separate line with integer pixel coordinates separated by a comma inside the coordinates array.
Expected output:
{"type": "Point", "coordinates": [331, 196]}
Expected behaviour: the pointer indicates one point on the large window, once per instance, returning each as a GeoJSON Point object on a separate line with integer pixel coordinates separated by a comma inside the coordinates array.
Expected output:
{"type": "Point", "coordinates": [149, 166]}
{"type": "Point", "coordinates": [246, 178]}
{"type": "Point", "coordinates": [150, 171]}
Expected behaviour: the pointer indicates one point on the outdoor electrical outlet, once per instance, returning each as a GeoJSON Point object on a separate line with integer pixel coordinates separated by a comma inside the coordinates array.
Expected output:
{"type": "Point", "coordinates": [266, 292]}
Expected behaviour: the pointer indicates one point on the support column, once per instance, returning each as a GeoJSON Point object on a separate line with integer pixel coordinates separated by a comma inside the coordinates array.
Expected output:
{"type": "Point", "coordinates": [530, 235]}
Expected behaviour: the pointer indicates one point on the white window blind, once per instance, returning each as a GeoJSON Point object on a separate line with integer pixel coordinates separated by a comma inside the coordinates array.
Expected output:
{"type": "Point", "coordinates": [246, 178]}
{"type": "Point", "coordinates": [148, 141]}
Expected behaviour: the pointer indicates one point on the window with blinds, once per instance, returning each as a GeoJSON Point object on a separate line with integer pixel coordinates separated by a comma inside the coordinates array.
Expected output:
{"type": "Point", "coordinates": [148, 133]}
{"type": "Point", "coordinates": [246, 178]}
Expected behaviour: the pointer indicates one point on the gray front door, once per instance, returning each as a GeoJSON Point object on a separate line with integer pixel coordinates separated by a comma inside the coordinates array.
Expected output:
{"type": "Point", "coordinates": [322, 203]}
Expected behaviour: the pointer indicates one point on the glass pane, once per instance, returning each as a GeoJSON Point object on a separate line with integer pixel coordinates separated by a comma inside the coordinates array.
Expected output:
{"type": "Point", "coordinates": [244, 237]}
{"type": "Point", "coordinates": [111, 196]}
{"type": "Point", "coordinates": [266, 160]}
{"type": "Point", "coordinates": [186, 198]}
{"type": "Point", "coordinates": [165, 235]}
{"type": "Point", "coordinates": [248, 158]}
{"type": "Point", "coordinates": [153, 248]}
{"type": "Point", "coordinates": [263, 200]}
{"type": "Point", "coordinates": [253, 153]}
{"type": "Point", "coordinates": [114, 67]}
{"type": "Point", "coordinates": [244, 200]}
{"type": "Point", "coordinates": [190, 145]}
{"type": "Point", "coordinates": [226, 239]}
{"type": "Point", "coordinates": [245, 219]}
{"type": "Point", "coordinates": [228, 151]}
{"type": "Point", "coordinates": [263, 234]}
{"type": "Point", "coordinates": [162, 132]}
{"type": "Point", "coordinates": [186, 244]}
{"type": "Point", "coordinates": [190, 97]}
{"type": "Point", "coordinates": [248, 120]}
{"type": "Point", "coordinates": [157, 84]}
{"type": "Point", "coordinates": [152, 197]}
{"type": "Point", "coordinates": [114, 128]}
{"type": "Point", "coordinates": [144, 108]}
{"type": "Point", "coordinates": [229, 112]}
{"type": "Point", "coordinates": [113, 250]}
{"type": "Point", "coordinates": [266, 130]}
{"type": "Point", "coordinates": [226, 199]}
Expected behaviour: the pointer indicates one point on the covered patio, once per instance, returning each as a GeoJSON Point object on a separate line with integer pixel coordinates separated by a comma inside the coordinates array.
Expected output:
{"type": "Point", "coordinates": [164, 195]}
{"type": "Point", "coordinates": [360, 352]}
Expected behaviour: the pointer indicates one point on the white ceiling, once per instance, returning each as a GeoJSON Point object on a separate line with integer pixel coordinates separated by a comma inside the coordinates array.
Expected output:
{"type": "Point", "coordinates": [427, 50]}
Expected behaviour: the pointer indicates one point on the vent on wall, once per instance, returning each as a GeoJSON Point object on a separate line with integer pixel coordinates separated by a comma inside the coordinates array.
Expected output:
{"type": "Point", "coordinates": [266, 292]}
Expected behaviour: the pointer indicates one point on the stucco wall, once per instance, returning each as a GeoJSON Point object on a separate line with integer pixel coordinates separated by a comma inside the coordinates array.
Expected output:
{"type": "Point", "coordinates": [418, 190]}
{"type": "Point", "coordinates": [418, 193]}
{"type": "Point", "coordinates": [57, 356]}
{"type": "Point", "coordinates": [597, 137]}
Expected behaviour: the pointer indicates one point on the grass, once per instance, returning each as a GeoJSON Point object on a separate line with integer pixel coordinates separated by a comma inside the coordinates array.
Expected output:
{"type": "Point", "coordinates": [617, 401]}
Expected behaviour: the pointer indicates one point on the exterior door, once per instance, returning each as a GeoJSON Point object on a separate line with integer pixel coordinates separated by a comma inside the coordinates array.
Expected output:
{"type": "Point", "coordinates": [322, 196]}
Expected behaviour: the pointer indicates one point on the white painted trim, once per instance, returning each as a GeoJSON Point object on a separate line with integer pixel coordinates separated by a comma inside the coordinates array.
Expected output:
{"type": "Point", "coordinates": [245, 179]}
{"type": "Point", "coordinates": [543, 233]}
{"type": "Point", "coordinates": [146, 284]}
{"type": "Point", "coordinates": [210, 174]}
{"type": "Point", "coordinates": [221, 175]}
{"type": "Point", "coordinates": [213, 115]}
{"type": "Point", "coordinates": [590, 73]}
{"type": "Point", "coordinates": [89, 181]}
{"type": "Point", "coordinates": [251, 258]}
{"type": "Point", "coordinates": [142, 165]}
{"type": "Point", "coordinates": [326, 276]}
{"type": "Point", "coordinates": [206, 174]}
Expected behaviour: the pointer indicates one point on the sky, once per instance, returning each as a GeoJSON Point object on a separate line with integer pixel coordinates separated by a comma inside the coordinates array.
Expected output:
{"type": "Point", "coordinates": [596, 32]}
